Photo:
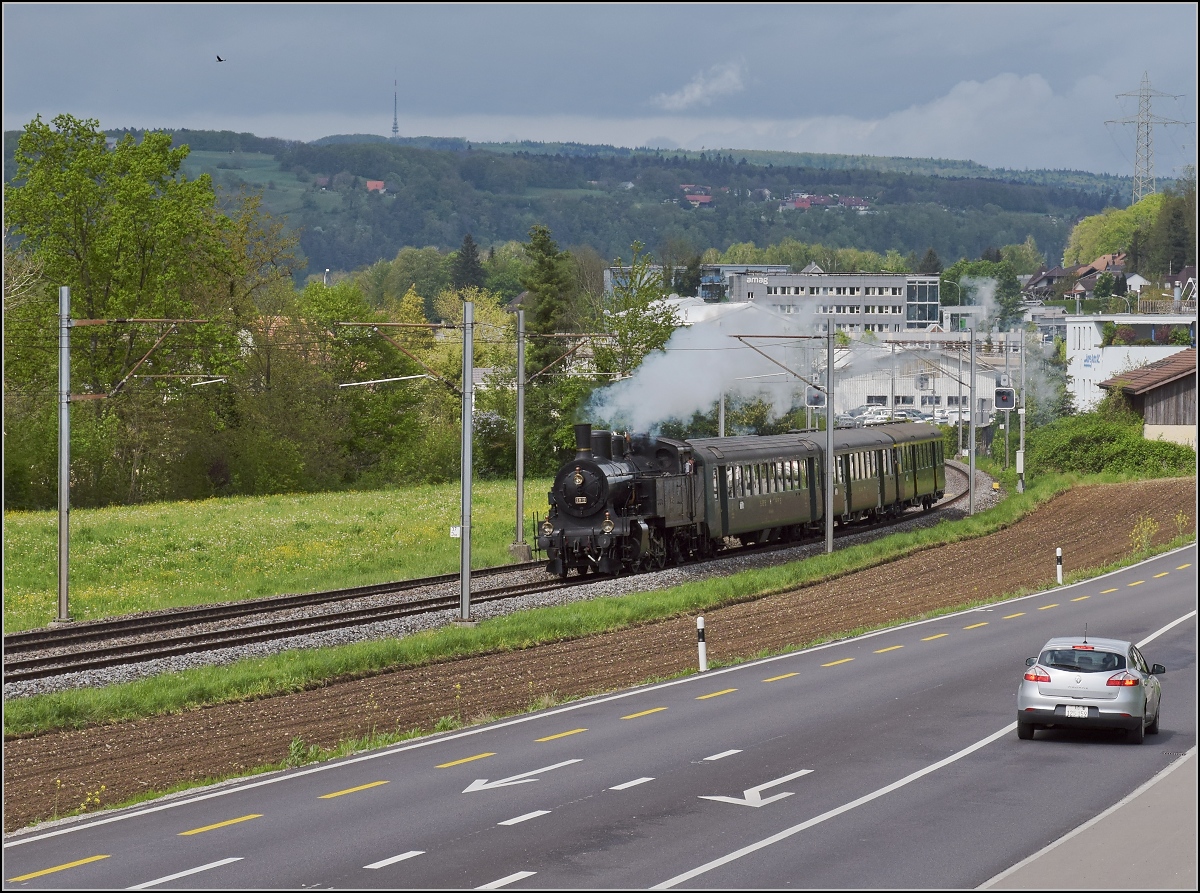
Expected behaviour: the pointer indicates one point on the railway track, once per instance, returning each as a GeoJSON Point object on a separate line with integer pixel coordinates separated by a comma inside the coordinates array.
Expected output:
{"type": "Point", "coordinates": [45, 653]}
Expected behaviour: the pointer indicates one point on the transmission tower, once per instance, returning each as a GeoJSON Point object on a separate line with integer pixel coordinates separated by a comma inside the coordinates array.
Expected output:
{"type": "Point", "coordinates": [1143, 164]}
{"type": "Point", "coordinates": [395, 109]}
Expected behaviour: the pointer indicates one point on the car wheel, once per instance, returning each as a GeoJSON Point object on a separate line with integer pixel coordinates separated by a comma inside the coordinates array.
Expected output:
{"type": "Point", "coordinates": [1137, 734]}
{"type": "Point", "coordinates": [1025, 731]}
{"type": "Point", "coordinates": [1152, 729]}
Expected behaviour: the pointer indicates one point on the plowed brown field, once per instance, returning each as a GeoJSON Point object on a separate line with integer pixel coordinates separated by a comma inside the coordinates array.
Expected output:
{"type": "Point", "coordinates": [1091, 524]}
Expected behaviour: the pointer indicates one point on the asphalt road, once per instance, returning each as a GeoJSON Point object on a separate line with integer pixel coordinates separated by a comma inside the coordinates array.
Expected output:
{"type": "Point", "coordinates": [886, 761]}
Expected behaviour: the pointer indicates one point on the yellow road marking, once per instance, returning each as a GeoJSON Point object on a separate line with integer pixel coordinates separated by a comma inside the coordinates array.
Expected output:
{"type": "Point", "coordinates": [1011, 616]}
{"type": "Point", "coordinates": [1183, 566]}
{"type": "Point", "coordinates": [716, 694]}
{"type": "Point", "coordinates": [784, 676]}
{"type": "Point", "coordinates": [1107, 591]}
{"type": "Point", "coordinates": [244, 818]}
{"type": "Point", "coordinates": [844, 660]}
{"type": "Point", "coordinates": [33, 874]}
{"type": "Point", "coordinates": [892, 648]}
{"type": "Point", "coordinates": [478, 756]}
{"type": "Point", "coordinates": [361, 787]}
{"type": "Point", "coordinates": [976, 625]}
{"type": "Point", "coordinates": [562, 734]}
{"type": "Point", "coordinates": [1137, 582]}
{"type": "Point", "coordinates": [1081, 598]}
{"type": "Point", "coordinates": [643, 713]}
{"type": "Point", "coordinates": [1163, 574]}
{"type": "Point", "coordinates": [1048, 607]}
{"type": "Point", "coordinates": [938, 636]}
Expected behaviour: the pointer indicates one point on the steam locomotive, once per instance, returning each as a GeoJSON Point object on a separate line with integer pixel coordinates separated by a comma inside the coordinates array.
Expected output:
{"type": "Point", "coordinates": [634, 503]}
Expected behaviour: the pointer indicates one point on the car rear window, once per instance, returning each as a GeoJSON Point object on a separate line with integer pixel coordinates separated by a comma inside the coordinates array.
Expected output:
{"type": "Point", "coordinates": [1081, 661]}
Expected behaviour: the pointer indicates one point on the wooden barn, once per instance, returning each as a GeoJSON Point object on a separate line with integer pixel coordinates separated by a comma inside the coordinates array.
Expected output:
{"type": "Point", "coordinates": [1164, 395]}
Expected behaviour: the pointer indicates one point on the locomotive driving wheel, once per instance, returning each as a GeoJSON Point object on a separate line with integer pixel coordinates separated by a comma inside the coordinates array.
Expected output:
{"type": "Point", "coordinates": [655, 558]}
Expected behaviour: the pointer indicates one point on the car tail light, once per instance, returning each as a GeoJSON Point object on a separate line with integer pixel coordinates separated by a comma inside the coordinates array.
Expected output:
{"type": "Point", "coordinates": [1037, 674]}
{"type": "Point", "coordinates": [1123, 678]}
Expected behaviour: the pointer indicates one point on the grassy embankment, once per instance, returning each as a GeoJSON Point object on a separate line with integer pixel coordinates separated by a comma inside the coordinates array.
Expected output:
{"type": "Point", "coordinates": [304, 542]}
{"type": "Point", "coordinates": [169, 555]}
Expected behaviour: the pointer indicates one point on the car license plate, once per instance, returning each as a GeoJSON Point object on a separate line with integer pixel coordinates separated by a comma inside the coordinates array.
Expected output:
{"type": "Point", "coordinates": [1076, 712]}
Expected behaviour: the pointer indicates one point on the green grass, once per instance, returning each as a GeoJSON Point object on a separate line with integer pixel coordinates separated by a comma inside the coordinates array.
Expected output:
{"type": "Point", "coordinates": [144, 558]}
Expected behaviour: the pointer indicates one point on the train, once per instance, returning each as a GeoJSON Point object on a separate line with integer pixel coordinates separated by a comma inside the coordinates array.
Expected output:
{"type": "Point", "coordinates": [628, 503]}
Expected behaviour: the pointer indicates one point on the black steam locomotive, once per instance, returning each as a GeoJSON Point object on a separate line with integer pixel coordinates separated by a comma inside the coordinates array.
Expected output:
{"type": "Point", "coordinates": [627, 504]}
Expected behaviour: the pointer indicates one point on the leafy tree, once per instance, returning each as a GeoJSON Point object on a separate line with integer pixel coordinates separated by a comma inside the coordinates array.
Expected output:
{"type": "Point", "coordinates": [505, 266]}
{"type": "Point", "coordinates": [991, 254]}
{"type": "Point", "coordinates": [636, 318]}
{"type": "Point", "coordinates": [930, 263]}
{"type": "Point", "coordinates": [984, 282]}
{"type": "Point", "coordinates": [133, 238]}
{"type": "Point", "coordinates": [1110, 231]}
{"type": "Point", "coordinates": [1105, 286]}
{"type": "Point", "coordinates": [1025, 258]}
{"type": "Point", "coordinates": [466, 270]}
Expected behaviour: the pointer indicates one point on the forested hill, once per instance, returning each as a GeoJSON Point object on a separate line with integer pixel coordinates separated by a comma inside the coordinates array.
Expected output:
{"type": "Point", "coordinates": [437, 190]}
{"type": "Point", "coordinates": [435, 197]}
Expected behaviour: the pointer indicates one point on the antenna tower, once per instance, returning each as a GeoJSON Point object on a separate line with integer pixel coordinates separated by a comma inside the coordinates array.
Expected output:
{"type": "Point", "coordinates": [1143, 164]}
{"type": "Point", "coordinates": [395, 108]}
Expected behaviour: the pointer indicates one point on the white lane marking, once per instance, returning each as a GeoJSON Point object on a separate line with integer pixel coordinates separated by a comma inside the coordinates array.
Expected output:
{"type": "Point", "coordinates": [384, 863]}
{"type": "Point", "coordinates": [505, 881]}
{"type": "Point", "coordinates": [721, 755]}
{"type": "Point", "coordinates": [178, 875]}
{"type": "Point", "coordinates": [753, 796]}
{"type": "Point", "coordinates": [524, 818]}
{"type": "Point", "coordinates": [482, 784]}
{"type": "Point", "coordinates": [629, 784]}
{"type": "Point", "coordinates": [1158, 632]}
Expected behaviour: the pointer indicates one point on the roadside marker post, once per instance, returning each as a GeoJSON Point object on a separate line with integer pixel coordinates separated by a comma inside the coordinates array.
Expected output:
{"type": "Point", "coordinates": [1058, 554]}
{"type": "Point", "coordinates": [700, 644]}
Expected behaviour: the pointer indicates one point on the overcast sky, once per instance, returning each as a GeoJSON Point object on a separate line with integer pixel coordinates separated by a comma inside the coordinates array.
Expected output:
{"type": "Point", "coordinates": [1014, 86]}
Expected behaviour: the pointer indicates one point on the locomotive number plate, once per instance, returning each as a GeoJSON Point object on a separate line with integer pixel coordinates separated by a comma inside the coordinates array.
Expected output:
{"type": "Point", "coordinates": [581, 500]}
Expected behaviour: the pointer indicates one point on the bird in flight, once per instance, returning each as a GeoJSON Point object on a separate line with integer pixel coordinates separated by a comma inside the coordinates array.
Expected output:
{"type": "Point", "coordinates": [219, 59]}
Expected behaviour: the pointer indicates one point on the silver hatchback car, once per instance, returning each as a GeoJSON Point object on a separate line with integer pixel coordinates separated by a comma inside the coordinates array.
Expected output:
{"type": "Point", "coordinates": [1088, 683]}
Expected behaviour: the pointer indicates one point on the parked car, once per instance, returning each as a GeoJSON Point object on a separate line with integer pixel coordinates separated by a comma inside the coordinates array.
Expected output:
{"type": "Point", "coordinates": [1081, 683]}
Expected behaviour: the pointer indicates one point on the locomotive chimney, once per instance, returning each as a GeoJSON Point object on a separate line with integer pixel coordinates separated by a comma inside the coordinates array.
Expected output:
{"type": "Point", "coordinates": [602, 444]}
{"type": "Point", "coordinates": [583, 441]}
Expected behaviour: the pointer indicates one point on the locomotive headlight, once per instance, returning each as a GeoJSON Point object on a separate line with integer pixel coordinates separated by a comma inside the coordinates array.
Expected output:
{"type": "Point", "coordinates": [578, 479]}
{"type": "Point", "coordinates": [608, 525]}
{"type": "Point", "coordinates": [547, 527]}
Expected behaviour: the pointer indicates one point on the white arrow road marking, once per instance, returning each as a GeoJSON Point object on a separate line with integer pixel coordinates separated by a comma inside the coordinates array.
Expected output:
{"type": "Point", "coordinates": [753, 796]}
{"type": "Point", "coordinates": [482, 784]}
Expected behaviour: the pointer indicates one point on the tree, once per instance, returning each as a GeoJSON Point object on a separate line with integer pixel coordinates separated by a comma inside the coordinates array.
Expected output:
{"type": "Point", "coordinates": [687, 280]}
{"type": "Point", "coordinates": [1110, 231]}
{"type": "Point", "coordinates": [992, 254]}
{"type": "Point", "coordinates": [133, 238]}
{"type": "Point", "coordinates": [550, 287]}
{"type": "Point", "coordinates": [637, 319]}
{"type": "Point", "coordinates": [1025, 258]}
{"type": "Point", "coordinates": [551, 396]}
{"type": "Point", "coordinates": [930, 263]}
{"type": "Point", "coordinates": [466, 270]}
{"type": "Point", "coordinates": [1105, 286]}
{"type": "Point", "coordinates": [987, 283]}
